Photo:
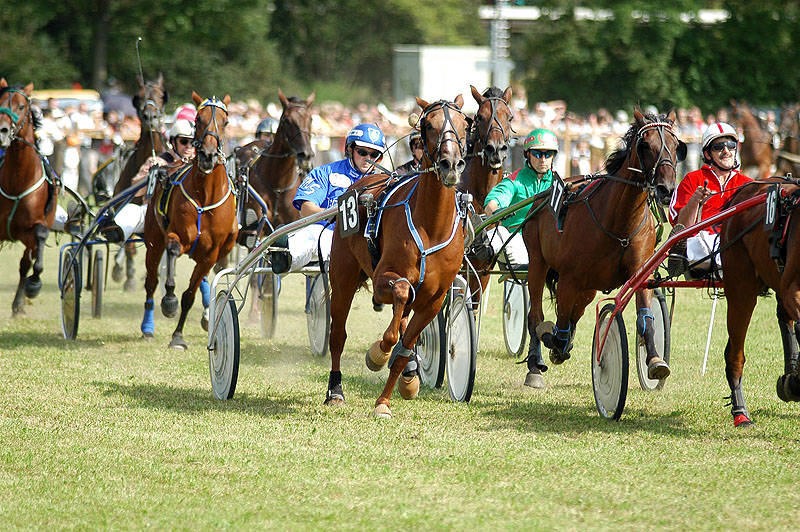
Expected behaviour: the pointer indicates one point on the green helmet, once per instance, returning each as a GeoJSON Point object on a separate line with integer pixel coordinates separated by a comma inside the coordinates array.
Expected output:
{"type": "Point", "coordinates": [541, 139]}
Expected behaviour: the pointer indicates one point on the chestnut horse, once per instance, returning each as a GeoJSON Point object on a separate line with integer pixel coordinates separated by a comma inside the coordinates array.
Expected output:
{"type": "Point", "coordinates": [149, 102]}
{"type": "Point", "coordinates": [756, 148]}
{"type": "Point", "coordinates": [749, 267]}
{"type": "Point", "coordinates": [608, 232]}
{"type": "Point", "coordinates": [27, 198]}
{"type": "Point", "coordinates": [787, 158]}
{"type": "Point", "coordinates": [488, 142]}
{"type": "Point", "coordinates": [421, 249]}
{"type": "Point", "coordinates": [200, 218]}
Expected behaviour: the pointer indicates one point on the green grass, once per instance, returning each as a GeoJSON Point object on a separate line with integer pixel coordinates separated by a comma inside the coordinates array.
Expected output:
{"type": "Point", "coordinates": [110, 431]}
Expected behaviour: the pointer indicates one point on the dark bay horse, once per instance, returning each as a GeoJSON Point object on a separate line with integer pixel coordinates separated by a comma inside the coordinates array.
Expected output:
{"type": "Point", "coordinates": [27, 198]}
{"type": "Point", "coordinates": [149, 102]}
{"type": "Point", "coordinates": [200, 218]}
{"type": "Point", "coordinates": [607, 234]}
{"type": "Point", "coordinates": [787, 159]}
{"type": "Point", "coordinates": [756, 150]}
{"type": "Point", "coordinates": [488, 148]}
{"type": "Point", "coordinates": [421, 247]}
{"type": "Point", "coordinates": [748, 269]}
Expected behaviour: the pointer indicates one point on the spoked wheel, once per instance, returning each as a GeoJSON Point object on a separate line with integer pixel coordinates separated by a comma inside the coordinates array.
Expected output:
{"type": "Point", "coordinates": [610, 373]}
{"type": "Point", "coordinates": [71, 286]}
{"type": "Point", "coordinates": [223, 360]}
{"type": "Point", "coordinates": [318, 313]}
{"type": "Point", "coordinates": [515, 314]}
{"type": "Point", "coordinates": [98, 284]}
{"type": "Point", "coordinates": [430, 351]}
{"type": "Point", "coordinates": [462, 342]}
{"type": "Point", "coordinates": [268, 301]}
{"type": "Point", "coordinates": [661, 325]}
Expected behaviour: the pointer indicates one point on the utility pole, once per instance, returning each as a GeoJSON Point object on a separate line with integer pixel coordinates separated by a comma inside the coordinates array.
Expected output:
{"type": "Point", "coordinates": [499, 36]}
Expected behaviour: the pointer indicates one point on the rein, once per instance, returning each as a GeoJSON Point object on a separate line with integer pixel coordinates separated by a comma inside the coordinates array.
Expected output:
{"type": "Point", "coordinates": [445, 107]}
{"type": "Point", "coordinates": [215, 104]}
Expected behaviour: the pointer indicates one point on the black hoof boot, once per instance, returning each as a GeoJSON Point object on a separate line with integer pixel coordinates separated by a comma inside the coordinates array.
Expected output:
{"type": "Point", "coordinates": [32, 287]}
{"type": "Point", "coordinates": [334, 396]}
{"type": "Point", "coordinates": [788, 388]}
{"type": "Point", "coordinates": [169, 305]}
{"type": "Point", "coordinates": [178, 342]}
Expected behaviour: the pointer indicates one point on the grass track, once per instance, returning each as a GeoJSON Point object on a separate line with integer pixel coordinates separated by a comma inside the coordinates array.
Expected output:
{"type": "Point", "coordinates": [113, 432]}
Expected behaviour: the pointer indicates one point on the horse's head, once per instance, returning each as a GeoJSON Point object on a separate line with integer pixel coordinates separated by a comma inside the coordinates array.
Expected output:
{"type": "Point", "coordinates": [15, 111]}
{"type": "Point", "coordinates": [790, 119]}
{"type": "Point", "coordinates": [149, 102]}
{"type": "Point", "coordinates": [212, 117]}
{"type": "Point", "coordinates": [295, 128]}
{"type": "Point", "coordinates": [443, 128]}
{"type": "Point", "coordinates": [492, 125]}
{"type": "Point", "coordinates": [658, 150]}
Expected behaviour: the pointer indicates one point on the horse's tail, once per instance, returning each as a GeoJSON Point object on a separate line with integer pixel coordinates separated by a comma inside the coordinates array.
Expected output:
{"type": "Point", "coordinates": [551, 281]}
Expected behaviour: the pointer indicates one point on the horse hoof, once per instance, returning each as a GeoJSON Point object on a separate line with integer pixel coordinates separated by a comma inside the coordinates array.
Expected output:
{"type": "Point", "coordinates": [117, 273]}
{"type": "Point", "coordinates": [169, 305]}
{"type": "Point", "coordinates": [32, 287]}
{"type": "Point", "coordinates": [204, 320]}
{"type": "Point", "coordinates": [376, 358]}
{"type": "Point", "coordinates": [147, 336]}
{"type": "Point", "coordinates": [17, 310]}
{"type": "Point", "coordinates": [130, 285]}
{"type": "Point", "coordinates": [742, 421]}
{"type": "Point", "coordinates": [657, 369]}
{"type": "Point", "coordinates": [408, 386]}
{"type": "Point", "coordinates": [545, 333]}
{"type": "Point", "coordinates": [534, 379]}
{"type": "Point", "coordinates": [784, 388]}
{"type": "Point", "coordinates": [382, 411]}
{"type": "Point", "coordinates": [334, 398]}
{"type": "Point", "coordinates": [177, 342]}
{"type": "Point", "coordinates": [558, 358]}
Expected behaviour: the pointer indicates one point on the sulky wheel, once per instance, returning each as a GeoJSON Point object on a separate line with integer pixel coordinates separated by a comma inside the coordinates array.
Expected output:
{"type": "Point", "coordinates": [462, 343]}
{"type": "Point", "coordinates": [431, 353]}
{"type": "Point", "coordinates": [268, 290]}
{"type": "Point", "coordinates": [223, 359]}
{"type": "Point", "coordinates": [515, 317]}
{"type": "Point", "coordinates": [610, 373]}
{"type": "Point", "coordinates": [71, 286]}
{"type": "Point", "coordinates": [658, 306]}
{"type": "Point", "coordinates": [98, 283]}
{"type": "Point", "coordinates": [318, 313]}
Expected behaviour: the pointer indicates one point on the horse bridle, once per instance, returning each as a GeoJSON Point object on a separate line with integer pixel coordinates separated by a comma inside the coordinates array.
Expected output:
{"type": "Point", "coordinates": [16, 125]}
{"type": "Point", "coordinates": [670, 159]}
{"type": "Point", "coordinates": [286, 137]}
{"type": "Point", "coordinates": [149, 101]}
{"type": "Point", "coordinates": [215, 104]}
{"type": "Point", "coordinates": [492, 127]}
{"type": "Point", "coordinates": [445, 107]}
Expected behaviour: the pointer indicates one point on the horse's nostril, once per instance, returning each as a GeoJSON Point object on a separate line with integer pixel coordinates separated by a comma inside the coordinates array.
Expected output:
{"type": "Point", "coordinates": [460, 165]}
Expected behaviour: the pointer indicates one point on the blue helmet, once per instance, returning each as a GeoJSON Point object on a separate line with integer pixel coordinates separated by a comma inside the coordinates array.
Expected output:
{"type": "Point", "coordinates": [366, 135]}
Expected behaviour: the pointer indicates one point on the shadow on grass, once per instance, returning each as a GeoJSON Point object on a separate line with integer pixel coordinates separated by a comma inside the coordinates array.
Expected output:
{"type": "Point", "coordinates": [194, 400]}
{"type": "Point", "coordinates": [15, 339]}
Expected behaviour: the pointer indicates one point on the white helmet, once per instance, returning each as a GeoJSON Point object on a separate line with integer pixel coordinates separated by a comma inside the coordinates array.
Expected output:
{"type": "Point", "coordinates": [181, 128]}
{"type": "Point", "coordinates": [717, 130]}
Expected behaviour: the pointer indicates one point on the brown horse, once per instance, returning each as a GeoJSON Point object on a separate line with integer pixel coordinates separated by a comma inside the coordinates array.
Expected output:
{"type": "Point", "coordinates": [749, 267]}
{"type": "Point", "coordinates": [606, 235]}
{"type": "Point", "coordinates": [149, 102]}
{"type": "Point", "coordinates": [421, 249]}
{"type": "Point", "coordinates": [787, 158]}
{"type": "Point", "coordinates": [200, 218]}
{"type": "Point", "coordinates": [27, 198]}
{"type": "Point", "coordinates": [756, 150]}
{"type": "Point", "coordinates": [488, 142]}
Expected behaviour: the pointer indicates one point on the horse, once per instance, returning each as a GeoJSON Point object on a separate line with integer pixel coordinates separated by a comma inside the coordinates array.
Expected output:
{"type": "Point", "coordinates": [200, 218]}
{"type": "Point", "coordinates": [27, 197]}
{"type": "Point", "coordinates": [487, 143]}
{"type": "Point", "coordinates": [750, 265]}
{"type": "Point", "coordinates": [606, 235]}
{"type": "Point", "coordinates": [787, 159]}
{"type": "Point", "coordinates": [756, 148]}
{"type": "Point", "coordinates": [425, 212]}
{"type": "Point", "coordinates": [149, 102]}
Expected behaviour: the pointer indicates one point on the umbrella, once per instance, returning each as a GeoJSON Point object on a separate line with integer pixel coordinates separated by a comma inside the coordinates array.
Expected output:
{"type": "Point", "coordinates": [116, 101]}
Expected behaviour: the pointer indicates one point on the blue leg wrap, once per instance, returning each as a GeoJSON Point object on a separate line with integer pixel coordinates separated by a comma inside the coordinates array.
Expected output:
{"type": "Point", "coordinates": [205, 291]}
{"type": "Point", "coordinates": [641, 320]}
{"type": "Point", "coordinates": [148, 323]}
{"type": "Point", "coordinates": [563, 334]}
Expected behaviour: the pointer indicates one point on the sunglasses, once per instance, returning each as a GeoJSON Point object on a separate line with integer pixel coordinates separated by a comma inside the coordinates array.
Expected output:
{"type": "Point", "coordinates": [184, 141]}
{"type": "Point", "coordinates": [540, 154]}
{"type": "Point", "coordinates": [374, 155]}
{"type": "Point", "coordinates": [730, 144]}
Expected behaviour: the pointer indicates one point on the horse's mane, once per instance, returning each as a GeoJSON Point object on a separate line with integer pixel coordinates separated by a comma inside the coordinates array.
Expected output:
{"type": "Point", "coordinates": [37, 121]}
{"type": "Point", "coordinates": [296, 99]}
{"type": "Point", "coordinates": [615, 161]}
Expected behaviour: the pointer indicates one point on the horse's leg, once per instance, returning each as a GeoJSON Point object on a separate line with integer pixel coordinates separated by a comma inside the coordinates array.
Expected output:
{"type": "Point", "coordinates": [387, 289]}
{"type": "Point", "coordinates": [788, 385]}
{"type": "Point", "coordinates": [130, 269]}
{"type": "Point", "coordinates": [18, 306]}
{"type": "Point", "coordinates": [570, 305]}
{"type": "Point", "coordinates": [657, 368]}
{"type": "Point", "coordinates": [741, 303]}
{"type": "Point", "coordinates": [33, 284]}
{"type": "Point", "coordinates": [169, 303]}
{"type": "Point", "coordinates": [201, 269]}
{"type": "Point", "coordinates": [152, 258]}
{"type": "Point", "coordinates": [537, 273]}
{"type": "Point", "coordinates": [117, 272]}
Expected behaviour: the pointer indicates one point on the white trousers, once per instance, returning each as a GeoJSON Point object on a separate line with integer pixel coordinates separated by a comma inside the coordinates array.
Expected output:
{"type": "Point", "coordinates": [701, 245]}
{"type": "Point", "coordinates": [60, 219]}
{"type": "Point", "coordinates": [303, 245]}
{"type": "Point", "coordinates": [131, 219]}
{"type": "Point", "coordinates": [515, 252]}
